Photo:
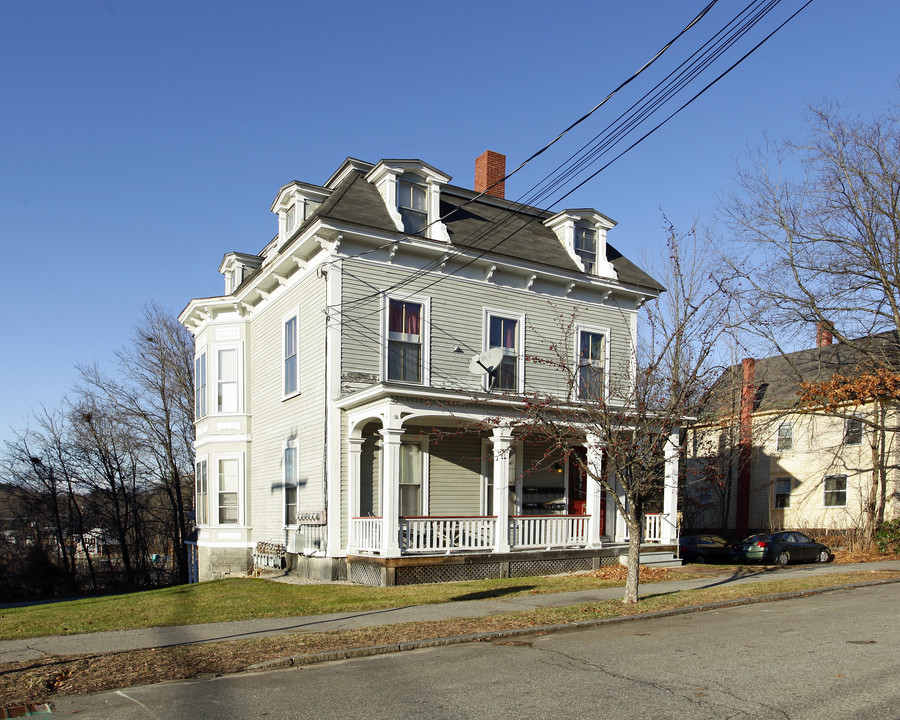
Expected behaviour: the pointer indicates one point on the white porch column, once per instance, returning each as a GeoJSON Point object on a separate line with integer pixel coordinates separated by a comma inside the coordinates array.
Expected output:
{"type": "Point", "coordinates": [669, 530]}
{"type": "Point", "coordinates": [621, 525]}
{"type": "Point", "coordinates": [594, 488]}
{"type": "Point", "coordinates": [502, 440]}
{"type": "Point", "coordinates": [390, 491]}
{"type": "Point", "coordinates": [354, 451]}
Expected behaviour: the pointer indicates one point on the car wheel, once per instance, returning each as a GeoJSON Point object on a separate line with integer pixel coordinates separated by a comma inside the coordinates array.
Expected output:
{"type": "Point", "coordinates": [824, 555]}
{"type": "Point", "coordinates": [784, 557]}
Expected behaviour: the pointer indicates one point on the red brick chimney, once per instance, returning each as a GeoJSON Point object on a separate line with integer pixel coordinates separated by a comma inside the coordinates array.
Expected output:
{"type": "Point", "coordinates": [824, 334]}
{"type": "Point", "coordinates": [490, 169]}
{"type": "Point", "coordinates": [745, 447]}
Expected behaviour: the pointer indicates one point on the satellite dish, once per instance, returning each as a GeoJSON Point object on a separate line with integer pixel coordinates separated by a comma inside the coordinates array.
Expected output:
{"type": "Point", "coordinates": [486, 362]}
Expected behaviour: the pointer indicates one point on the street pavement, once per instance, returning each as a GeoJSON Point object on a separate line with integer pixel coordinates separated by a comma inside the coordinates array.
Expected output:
{"type": "Point", "coordinates": [103, 642]}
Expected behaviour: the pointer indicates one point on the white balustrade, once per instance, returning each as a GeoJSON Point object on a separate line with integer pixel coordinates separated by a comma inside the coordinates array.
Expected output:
{"type": "Point", "coordinates": [540, 531]}
{"type": "Point", "coordinates": [367, 534]}
{"type": "Point", "coordinates": [446, 534]}
{"type": "Point", "coordinates": [652, 527]}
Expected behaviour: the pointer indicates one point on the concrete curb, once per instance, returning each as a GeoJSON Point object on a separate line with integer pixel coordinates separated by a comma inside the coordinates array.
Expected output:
{"type": "Point", "coordinates": [371, 651]}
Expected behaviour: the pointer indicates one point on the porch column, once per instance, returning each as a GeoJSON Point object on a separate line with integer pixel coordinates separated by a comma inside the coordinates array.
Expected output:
{"type": "Point", "coordinates": [354, 451]}
{"type": "Point", "coordinates": [390, 491]}
{"type": "Point", "coordinates": [669, 530]}
{"type": "Point", "coordinates": [594, 488]}
{"type": "Point", "coordinates": [502, 440]}
{"type": "Point", "coordinates": [621, 525]}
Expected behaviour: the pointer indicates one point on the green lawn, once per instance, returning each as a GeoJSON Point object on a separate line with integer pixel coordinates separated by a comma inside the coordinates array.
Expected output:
{"type": "Point", "coordinates": [245, 598]}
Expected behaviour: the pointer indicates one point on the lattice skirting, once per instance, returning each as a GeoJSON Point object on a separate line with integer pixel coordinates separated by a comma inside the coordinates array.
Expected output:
{"type": "Point", "coordinates": [365, 574]}
{"type": "Point", "coordinates": [418, 574]}
{"type": "Point", "coordinates": [556, 566]}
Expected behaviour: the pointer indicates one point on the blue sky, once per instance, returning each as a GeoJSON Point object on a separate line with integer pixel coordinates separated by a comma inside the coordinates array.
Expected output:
{"type": "Point", "coordinates": [139, 142]}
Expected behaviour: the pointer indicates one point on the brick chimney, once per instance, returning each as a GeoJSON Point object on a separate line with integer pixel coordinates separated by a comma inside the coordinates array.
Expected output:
{"type": "Point", "coordinates": [745, 447]}
{"type": "Point", "coordinates": [490, 169]}
{"type": "Point", "coordinates": [824, 334]}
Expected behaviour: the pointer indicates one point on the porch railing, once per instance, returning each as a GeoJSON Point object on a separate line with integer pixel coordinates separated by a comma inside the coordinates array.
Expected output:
{"type": "Point", "coordinates": [445, 534]}
{"type": "Point", "coordinates": [539, 531]}
{"type": "Point", "coordinates": [655, 525]}
{"type": "Point", "coordinates": [367, 534]}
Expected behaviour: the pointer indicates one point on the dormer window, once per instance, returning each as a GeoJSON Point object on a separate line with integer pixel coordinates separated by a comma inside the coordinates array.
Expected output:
{"type": "Point", "coordinates": [290, 219]}
{"type": "Point", "coordinates": [586, 246]}
{"type": "Point", "coordinates": [412, 204]}
{"type": "Point", "coordinates": [411, 191]}
{"type": "Point", "coordinates": [295, 202]}
{"type": "Point", "coordinates": [583, 234]}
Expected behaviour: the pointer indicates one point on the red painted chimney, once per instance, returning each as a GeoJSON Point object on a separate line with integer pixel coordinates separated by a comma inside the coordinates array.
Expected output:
{"type": "Point", "coordinates": [490, 169]}
{"type": "Point", "coordinates": [824, 334]}
{"type": "Point", "coordinates": [745, 447]}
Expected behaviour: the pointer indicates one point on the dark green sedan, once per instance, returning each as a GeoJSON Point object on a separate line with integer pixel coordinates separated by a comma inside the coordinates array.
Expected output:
{"type": "Point", "coordinates": [781, 547]}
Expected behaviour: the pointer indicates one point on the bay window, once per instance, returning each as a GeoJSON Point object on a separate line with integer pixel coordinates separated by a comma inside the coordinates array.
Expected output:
{"type": "Point", "coordinates": [227, 380]}
{"type": "Point", "coordinates": [229, 489]}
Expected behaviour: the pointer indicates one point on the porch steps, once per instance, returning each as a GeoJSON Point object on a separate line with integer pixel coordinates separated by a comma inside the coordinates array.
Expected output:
{"type": "Point", "coordinates": [655, 559]}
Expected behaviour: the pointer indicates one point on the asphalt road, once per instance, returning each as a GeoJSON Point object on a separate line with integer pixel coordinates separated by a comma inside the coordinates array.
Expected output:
{"type": "Point", "coordinates": [835, 655]}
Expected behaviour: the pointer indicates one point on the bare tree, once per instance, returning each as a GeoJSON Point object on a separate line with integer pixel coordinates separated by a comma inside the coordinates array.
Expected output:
{"type": "Point", "coordinates": [154, 392]}
{"type": "Point", "coordinates": [638, 418]}
{"type": "Point", "coordinates": [817, 225]}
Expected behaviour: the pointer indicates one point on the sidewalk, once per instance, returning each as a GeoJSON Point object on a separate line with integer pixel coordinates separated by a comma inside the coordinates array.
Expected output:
{"type": "Point", "coordinates": [104, 642]}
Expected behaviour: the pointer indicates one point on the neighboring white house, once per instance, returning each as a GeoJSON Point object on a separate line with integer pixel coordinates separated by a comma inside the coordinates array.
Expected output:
{"type": "Point", "coordinates": [341, 421]}
{"type": "Point", "coordinates": [803, 465]}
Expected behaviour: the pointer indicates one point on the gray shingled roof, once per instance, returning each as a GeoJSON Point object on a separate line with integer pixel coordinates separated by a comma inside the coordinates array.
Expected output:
{"type": "Point", "coordinates": [777, 378]}
{"type": "Point", "coordinates": [485, 225]}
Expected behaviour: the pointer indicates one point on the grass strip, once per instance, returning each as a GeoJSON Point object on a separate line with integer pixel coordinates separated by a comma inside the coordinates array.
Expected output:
{"type": "Point", "coordinates": [41, 681]}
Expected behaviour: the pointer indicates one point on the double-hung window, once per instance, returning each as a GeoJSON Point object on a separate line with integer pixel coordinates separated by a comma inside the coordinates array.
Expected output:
{"type": "Point", "coordinates": [412, 204]}
{"type": "Point", "coordinates": [227, 380]}
{"type": "Point", "coordinates": [406, 351]}
{"type": "Point", "coordinates": [290, 483]}
{"type": "Point", "coordinates": [785, 437]}
{"type": "Point", "coordinates": [200, 386]}
{"type": "Point", "coordinates": [836, 491]}
{"type": "Point", "coordinates": [853, 431]}
{"type": "Point", "coordinates": [202, 480]}
{"type": "Point", "coordinates": [504, 333]}
{"type": "Point", "coordinates": [591, 371]}
{"type": "Point", "coordinates": [229, 482]}
{"type": "Point", "coordinates": [782, 492]}
{"type": "Point", "coordinates": [411, 466]}
{"type": "Point", "coordinates": [291, 362]}
{"type": "Point", "coordinates": [290, 220]}
{"type": "Point", "coordinates": [586, 246]}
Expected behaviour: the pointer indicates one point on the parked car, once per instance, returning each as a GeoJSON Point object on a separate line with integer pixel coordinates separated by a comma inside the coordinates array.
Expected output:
{"type": "Point", "coordinates": [704, 548]}
{"type": "Point", "coordinates": [781, 548]}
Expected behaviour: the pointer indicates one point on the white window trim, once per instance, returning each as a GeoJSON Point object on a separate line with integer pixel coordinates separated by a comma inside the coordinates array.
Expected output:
{"type": "Point", "coordinates": [203, 396]}
{"type": "Point", "coordinates": [295, 481]}
{"type": "Point", "coordinates": [423, 442]}
{"type": "Point", "coordinates": [846, 491]}
{"type": "Point", "coordinates": [605, 332]}
{"type": "Point", "coordinates": [778, 447]}
{"type": "Point", "coordinates": [239, 347]}
{"type": "Point", "coordinates": [214, 490]}
{"type": "Point", "coordinates": [424, 334]}
{"type": "Point", "coordinates": [385, 176]}
{"type": "Point", "coordinates": [295, 315]}
{"type": "Point", "coordinates": [198, 460]}
{"type": "Point", "coordinates": [489, 313]}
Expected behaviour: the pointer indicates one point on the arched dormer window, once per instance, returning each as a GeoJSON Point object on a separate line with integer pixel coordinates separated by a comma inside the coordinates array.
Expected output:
{"type": "Point", "coordinates": [411, 190]}
{"type": "Point", "coordinates": [412, 203]}
{"type": "Point", "coordinates": [583, 235]}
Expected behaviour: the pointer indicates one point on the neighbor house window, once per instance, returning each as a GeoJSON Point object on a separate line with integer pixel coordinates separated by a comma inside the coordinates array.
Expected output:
{"type": "Point", "coordinates": [785, 436]}
{"type": "Point", "coordinates": [782, 492]}
{"type": "Point", "coordinates": [853, 431]}
{"type": "Point", "coordinates": [229, 487]}
{"type": "Point", "coordinates": [836, 491]}
{"type": "Point", "coordinates": [412, 205]}
{"type": "Point", "coordinates": [411, 464]}
{"type": "Point", "coordinates": [291, 364]}
{"type": "Point", "coordinates": [200, 386]}
{"type": "Point", "coordinates": [290, 484]}
{"type": "Point", "coordinates": [503, 332]}
{"type": "Point", "coordinates": [227, 380]}
{"type": "Point", "coordinates": [405, 347]}
{"type": "Point", "coordinates": [202, 511]}
{"type": "Point", "coordinates": [591, 378]}
{"type": "Point", "coordinates": [586, 246]}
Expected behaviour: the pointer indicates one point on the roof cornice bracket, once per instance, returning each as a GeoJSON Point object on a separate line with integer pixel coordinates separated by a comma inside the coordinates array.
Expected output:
{"type": "Point", "coordinates": [569, 288]}
{"type": "Point", "coordinates": [490, 273]}
{"type": "Point", "coordinates": [530, 281]}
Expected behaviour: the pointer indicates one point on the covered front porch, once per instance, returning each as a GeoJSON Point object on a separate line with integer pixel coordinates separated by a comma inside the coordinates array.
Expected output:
{"type": "Point", "coordinates": [428, 483]}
